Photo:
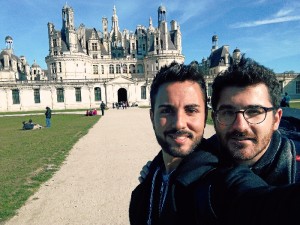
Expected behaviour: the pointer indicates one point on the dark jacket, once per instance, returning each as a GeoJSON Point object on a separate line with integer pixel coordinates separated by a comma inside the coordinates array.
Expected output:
{"type": "Point", "coordinates": [200, 194]}
{"type": "Point", "coordinates": [102, 106]}
{"type": "Point", "coordinates": [278, 166]}
{"type": "Point", "coordinates": [48, 113]}
{"type": "Point", "coordinates": [144, 204]}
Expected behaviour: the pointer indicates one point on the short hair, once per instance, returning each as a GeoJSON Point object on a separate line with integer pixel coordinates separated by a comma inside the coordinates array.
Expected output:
{"type": "Point", "coordinates": [244, 73]}
{"type": "Point", "coordinates": [176, 72]}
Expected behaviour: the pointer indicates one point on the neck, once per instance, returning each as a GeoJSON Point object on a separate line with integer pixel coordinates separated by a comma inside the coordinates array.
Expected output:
{"type": "Point", "coordinates": [170, 162]}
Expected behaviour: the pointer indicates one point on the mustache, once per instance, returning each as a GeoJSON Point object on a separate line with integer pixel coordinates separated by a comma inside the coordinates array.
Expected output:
{"type": "Point", "coordinates": [238, 134]}
{"type": "Point", "coordinates": [179, 132]}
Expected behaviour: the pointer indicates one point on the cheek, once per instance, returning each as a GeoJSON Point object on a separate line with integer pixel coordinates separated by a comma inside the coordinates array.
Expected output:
{"type": "Point", "coordinates": [197, 125]}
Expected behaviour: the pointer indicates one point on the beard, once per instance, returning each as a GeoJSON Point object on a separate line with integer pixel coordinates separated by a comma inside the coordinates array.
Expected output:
{"type": "Point", "coordinates": [176, 151]}
{"type": "Point", "coordinates": [243, 153]}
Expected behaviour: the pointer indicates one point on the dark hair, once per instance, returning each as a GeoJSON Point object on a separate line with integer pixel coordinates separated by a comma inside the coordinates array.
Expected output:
{"type": "Point", "coordinates": [176, 72]}
{"type": "Point", "coordinates": [242, 74]}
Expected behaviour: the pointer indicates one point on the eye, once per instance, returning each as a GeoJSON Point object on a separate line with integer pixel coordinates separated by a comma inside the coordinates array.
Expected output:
{"type": "Point", "coordinates": [254, 111]}
{"type": "Point", "coordinates": [226, 112]}
{"type": "Point", "coordinates": [166, 110]}
{"type": "Point", "coordinates": [191, 109]}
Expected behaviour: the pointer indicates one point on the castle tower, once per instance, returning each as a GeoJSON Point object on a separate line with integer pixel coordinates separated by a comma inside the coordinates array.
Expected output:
{"type": "Point", "coordinates": [162, 14]}
{"type": "Point", "coordinates": [68, 28]}
{"type": "Point", "coordinates": [9, 42]}
{"type": "Point", "coordinates": [214, 43]}
{"type": "Point", "coordinates": [115, 21]}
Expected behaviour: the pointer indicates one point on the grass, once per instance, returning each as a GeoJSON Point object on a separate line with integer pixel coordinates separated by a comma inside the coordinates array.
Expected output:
{"type": "Point", "coordinates": [30, 157]}
{"type": "Point", "coordinates": [42, 111]}
{"type": "Point", "coordinates": [295, 105]}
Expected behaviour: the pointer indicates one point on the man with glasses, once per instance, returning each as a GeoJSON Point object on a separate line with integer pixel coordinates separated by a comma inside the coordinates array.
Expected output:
{"type": "Point", "coordinates": [246, 114]}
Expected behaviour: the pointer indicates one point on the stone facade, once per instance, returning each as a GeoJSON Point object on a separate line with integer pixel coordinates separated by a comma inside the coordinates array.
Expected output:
{"type": "Point", "coordinates": [86, 66]}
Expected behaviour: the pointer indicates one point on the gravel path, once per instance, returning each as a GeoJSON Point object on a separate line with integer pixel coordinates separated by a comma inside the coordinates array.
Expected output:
{"type": "Point", "coordinates": [94, 184]}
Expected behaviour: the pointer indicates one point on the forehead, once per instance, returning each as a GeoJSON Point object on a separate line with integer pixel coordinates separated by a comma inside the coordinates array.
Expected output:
{"type": "Point", "coordinates": [186, 91]}
{"type": "Point", "coordinates": [243, 96]}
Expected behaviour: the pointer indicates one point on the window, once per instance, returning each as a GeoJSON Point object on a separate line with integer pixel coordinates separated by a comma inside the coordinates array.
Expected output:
{"type": "Point", "coordinates": [102, 69]}
{"type": "Point", "coordinates": [59, 64]}
{"type": "Point", "coordinates": [78, 94]}
{"type": "Point", "coordinates": [143, 92]}
{"type": "Point", "coordinates": [94, 46]}
{"type": "Point", "coordinates": [16, 96]}
{"type": "Point", "coordinates": [124, 68]}
{"type": "Point", "coordinates": [53, 68]}
{"type": "Point", "coordinates": [97, 91]}
{"type": "Point", "coordinates": [54, 43]}
{"type": "Point", "coordinates": [209, 89]}
{"type": "Point", "coordinates": [111, 69]}
{"type": "Point", "coordinates": [297, 87]}
{"type": "Point", "coordinates": [95, 69]}
{"type": "Point", "coordinates": [95, 56]}
{"type": "Point", "coordinates": [281, 86]}
{"type": "Point", "coordinates": [60, 94]}
{"type": "Point", "coordinates": [36, 93]}
{"type": "Point", "coordinates": [118, 68]}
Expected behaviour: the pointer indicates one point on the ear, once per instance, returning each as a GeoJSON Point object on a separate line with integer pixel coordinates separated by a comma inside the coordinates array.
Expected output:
{"type": "Point", "coordinates": [277, 118]}
{"type": "Point", "coordinates": [151, 116]}
{"type": "Point", "coordinates": [213, 117]}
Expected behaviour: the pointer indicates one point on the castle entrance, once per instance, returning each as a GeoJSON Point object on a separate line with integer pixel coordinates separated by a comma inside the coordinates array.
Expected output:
{"type": "Point", "coordinates": [122, 95]}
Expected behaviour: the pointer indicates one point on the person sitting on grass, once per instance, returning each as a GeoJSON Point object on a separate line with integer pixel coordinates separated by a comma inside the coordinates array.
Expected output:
{"type": "Point", "coordinates": [31, 126]}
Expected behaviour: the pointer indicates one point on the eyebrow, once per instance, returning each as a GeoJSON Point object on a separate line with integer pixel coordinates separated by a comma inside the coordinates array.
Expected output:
{"type": "Point", "coordinates": [171, 106]}
{"type": "Point", "coordinates": [232, 107]}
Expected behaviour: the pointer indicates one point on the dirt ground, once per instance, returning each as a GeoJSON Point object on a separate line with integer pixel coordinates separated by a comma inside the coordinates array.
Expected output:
{"type": "Point", "coordinates": [94, 184]}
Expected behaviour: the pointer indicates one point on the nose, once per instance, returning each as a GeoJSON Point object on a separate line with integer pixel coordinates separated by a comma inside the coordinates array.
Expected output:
{"type": "Point", "coordinates": [179, 120]}
{"type": "Point", "coordinates": [240, 123]}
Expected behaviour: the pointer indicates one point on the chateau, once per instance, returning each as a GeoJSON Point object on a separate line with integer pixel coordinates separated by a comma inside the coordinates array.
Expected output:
{"type": "Point", "coordinates": [86, 66]}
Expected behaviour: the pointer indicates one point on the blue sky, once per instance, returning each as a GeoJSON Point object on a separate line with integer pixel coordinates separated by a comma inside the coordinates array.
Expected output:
{"type": "Point", "coordinates": [266, 30]}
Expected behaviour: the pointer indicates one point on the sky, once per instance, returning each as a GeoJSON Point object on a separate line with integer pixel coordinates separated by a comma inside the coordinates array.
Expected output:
{"type": "Point", "coordinates": [267, 31]}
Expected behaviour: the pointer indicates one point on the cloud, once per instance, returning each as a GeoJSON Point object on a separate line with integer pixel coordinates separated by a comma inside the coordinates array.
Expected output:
{"type": "Point", "coordinates": [266, 21]}
{"type": "Point", "coordinates": [282, 16]}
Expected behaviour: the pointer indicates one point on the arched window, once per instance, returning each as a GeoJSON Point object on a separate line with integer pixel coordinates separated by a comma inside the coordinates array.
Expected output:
{"type": "Point", "coordinates": [111, 69]}
{"type": "Point", "coordinates": [118, 68]}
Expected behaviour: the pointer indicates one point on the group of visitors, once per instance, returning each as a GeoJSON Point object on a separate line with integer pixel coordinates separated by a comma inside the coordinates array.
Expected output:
{"type": "Point", "coordinates": [33, 126]}
{"type": "Point", "coordinates": [247, 173]}
{"type": "Point", "coordinates": [91, 112]}
{"type": "Point", "coordinates": [122, 105]}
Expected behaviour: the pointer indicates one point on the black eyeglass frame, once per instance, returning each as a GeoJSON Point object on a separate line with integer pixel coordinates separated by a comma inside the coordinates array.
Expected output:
{"type": "Point", "coordinates": [266, 109]}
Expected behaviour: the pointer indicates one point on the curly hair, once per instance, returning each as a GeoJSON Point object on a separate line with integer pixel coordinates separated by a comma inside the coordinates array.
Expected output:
{"type": "Point", "coordinates": [245, 73]}
{"type": "Point", "coordinates": [176, 72]}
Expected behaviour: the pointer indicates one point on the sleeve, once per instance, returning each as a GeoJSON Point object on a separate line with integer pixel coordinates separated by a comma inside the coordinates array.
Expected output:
{"type": "Point", "coordinates": [241, 197]}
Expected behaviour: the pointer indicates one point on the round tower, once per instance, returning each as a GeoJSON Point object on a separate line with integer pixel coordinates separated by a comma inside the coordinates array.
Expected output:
{"type": "Point", "coordinates": [9, 42]}
{"type": "Point", "coordinates": [214, 40]}
{"type": "Point", "coordinates": [162, 14]}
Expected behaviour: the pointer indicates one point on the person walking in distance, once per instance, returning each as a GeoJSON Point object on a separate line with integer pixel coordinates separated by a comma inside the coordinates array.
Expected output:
{"type": "Point", "coordinates": [102, 107]}
{"type": "Point", "coordinates": [48, 117]}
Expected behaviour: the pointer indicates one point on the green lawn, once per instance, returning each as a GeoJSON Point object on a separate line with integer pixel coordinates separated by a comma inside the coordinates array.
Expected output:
{"type": "Point", "coordinates": [30, 157]}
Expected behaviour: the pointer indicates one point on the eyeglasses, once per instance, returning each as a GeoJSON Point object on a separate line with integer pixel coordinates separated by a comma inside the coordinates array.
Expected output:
{"type": "Point", "coordinates": [253, 115]}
